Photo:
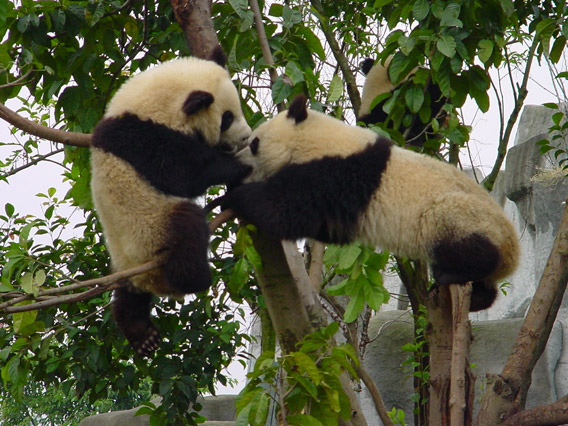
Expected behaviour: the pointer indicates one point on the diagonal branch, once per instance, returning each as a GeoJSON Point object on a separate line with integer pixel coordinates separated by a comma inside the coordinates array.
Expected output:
{"type": "Point", "coordinates": [265, 47]}
{"type": "Point", "coordinates": [489, 181]}
{"type": "Point", "coordinates": [33, 128]}
{"type": "Point", "coordinates": [348, 75]}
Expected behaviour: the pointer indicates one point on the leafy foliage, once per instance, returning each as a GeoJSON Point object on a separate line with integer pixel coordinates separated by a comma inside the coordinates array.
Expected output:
{"type": "Point", "coordinates": [303, 385]}
{"type": "Point", "coordinates": [364, 282]}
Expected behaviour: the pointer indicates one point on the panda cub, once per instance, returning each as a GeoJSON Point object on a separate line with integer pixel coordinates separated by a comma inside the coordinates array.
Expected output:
{"type": "Point", "coordinates": [163, 141]}
{"type": "Point", "coordinates": [378, 83]}
{"type": "Point", "coordinates": [317, 177]}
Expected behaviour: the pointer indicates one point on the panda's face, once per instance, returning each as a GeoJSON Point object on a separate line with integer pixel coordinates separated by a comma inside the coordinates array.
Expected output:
{"type": "Point", "coordinates": [189, 95]}
{"type": "Point", "coordinates": [298, 136]}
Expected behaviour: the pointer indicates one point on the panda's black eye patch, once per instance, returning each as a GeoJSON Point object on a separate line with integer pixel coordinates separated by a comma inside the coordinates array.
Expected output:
{"type": "Point", "coordinates": [254, 146]}
{"type": "Point", "coordinates": [227, 120]}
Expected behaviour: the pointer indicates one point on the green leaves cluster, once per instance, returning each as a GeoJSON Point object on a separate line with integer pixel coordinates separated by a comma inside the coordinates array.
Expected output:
{"type": "Point", "coordinates": [303, 385]}
{"type": "Point", "coordinates": [364, 282]}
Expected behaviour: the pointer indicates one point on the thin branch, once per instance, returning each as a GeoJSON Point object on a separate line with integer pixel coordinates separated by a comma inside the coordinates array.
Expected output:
{"type": "Point", "coordinates": [18, 82]}
{"type": "Point", "coordinates": [44, 132]}
{"type": "Point", "coordinates": [489, 181]}
{"type": "Point", "coordinates": [348, 75]}
{"type": "Point", "coordinates": [315, 270]}
{"type": "Point", "coordinates": [265, 47]}
{"type": "Point", "coordinates": [101, 285]}
{"type": "Point", "coordinates": [32, 163]}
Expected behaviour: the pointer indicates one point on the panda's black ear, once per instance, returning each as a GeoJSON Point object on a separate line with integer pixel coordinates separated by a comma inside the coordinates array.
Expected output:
{"type": "Point", "coordinates": [196, 101]}
{"type": "Point", "coordinates": [298, 109]}
{"type": "Point", "coordinates": [218, 56]}
{"type": "Point", "coordinates": [366, 65]}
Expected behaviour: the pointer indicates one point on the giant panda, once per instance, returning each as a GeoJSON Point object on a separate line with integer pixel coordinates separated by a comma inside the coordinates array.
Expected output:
{"type": "Point", "coordinates": [165, 138]}
{"type": "Point", "coordinates": [317, 177]}
{"type": "Point", "coordinates": [377, 83]}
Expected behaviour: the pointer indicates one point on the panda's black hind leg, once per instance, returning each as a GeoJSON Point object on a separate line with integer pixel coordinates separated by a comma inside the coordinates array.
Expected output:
{"type": "Point", "coordinates": [472, 258]}
{"type": "Point", "coordinates": [131, 311]}
{"type": "Point", "coordinates": [186, 268]}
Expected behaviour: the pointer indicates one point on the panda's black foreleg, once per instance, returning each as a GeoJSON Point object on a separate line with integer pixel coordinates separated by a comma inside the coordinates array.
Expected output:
{"type": "Point", "coordinates": [131, 311]}
{"type": "Point", "coordinates": [473, 258]}
{"type": "Point", "coordinates": [186, 268]}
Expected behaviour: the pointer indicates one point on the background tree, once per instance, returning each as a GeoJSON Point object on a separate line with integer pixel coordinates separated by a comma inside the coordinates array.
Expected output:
{"type": "Point", "coordinates": [63, 61]}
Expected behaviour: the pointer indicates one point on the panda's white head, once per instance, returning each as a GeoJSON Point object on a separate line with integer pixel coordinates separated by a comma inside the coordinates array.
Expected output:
{"type": "Point", "coordinates": [300, 135]}
{"type": "Point", "coordinates": [189, 95]}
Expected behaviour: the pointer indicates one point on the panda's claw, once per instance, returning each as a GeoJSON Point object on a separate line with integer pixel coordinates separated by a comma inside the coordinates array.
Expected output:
{"type": "Point", "coordinates": [147, 344]}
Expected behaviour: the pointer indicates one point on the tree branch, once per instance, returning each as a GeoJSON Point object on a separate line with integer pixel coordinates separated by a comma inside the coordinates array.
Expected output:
{"type": "Point", "coordinates": [489, 181]}
{"type": "Point", "coordinates": [265, 47]}
{"type": "Point", "coordinates": [551, 414]}
{"type": "Point", "coordinates": [348, 75]}
{"type": "Point", "coordinates": [506, 393]}
{"type": "Point", "coordinates": [54, 135]}
{"type": "Point", "coordinates": [194, 18]}
{"type": "Point", "coordinates": [31, 163]}
{"type": "Point", "coordinates": [461, 296]}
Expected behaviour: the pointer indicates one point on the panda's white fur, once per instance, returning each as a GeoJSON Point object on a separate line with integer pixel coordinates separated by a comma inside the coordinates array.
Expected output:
{"type": "Point", "coordinates": [162, 142]}
{"type": "Point", "coordinates": [419, 207]}
{"type": "Point", "coordinates": [376, 83]}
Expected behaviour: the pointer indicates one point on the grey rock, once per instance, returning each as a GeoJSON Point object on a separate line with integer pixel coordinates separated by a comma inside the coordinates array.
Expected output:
{"type": "Point", "coordinates": [219, 410]}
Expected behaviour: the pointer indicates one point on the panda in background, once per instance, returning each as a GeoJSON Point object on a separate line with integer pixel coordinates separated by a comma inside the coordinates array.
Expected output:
{"type": "Point", "coordinates": [378, 83]}
{"type": "Point", "coordinates": [163, 141]}
{"type": "Point", "coordinates": [317, 177]}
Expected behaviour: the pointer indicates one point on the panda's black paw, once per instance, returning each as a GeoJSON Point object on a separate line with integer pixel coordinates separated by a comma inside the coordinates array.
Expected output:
{"type": "Point", "coordinates": [145, 344]}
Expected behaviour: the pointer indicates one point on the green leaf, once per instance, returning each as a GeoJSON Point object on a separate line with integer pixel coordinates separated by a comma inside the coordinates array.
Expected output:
{"type": "Point", "coordinates": [9, 209]}
{"type": "Point", "coordinates": [303, 420]}
{"type": "Point", "coordinates": [307, 365]}
{"type": "Point", "coordinates": [280, 90]}
{"type": "Point", "coordinates": [447, 46]}
{"type": "Point", "coordinates": [557, 49]}
{"type": "Point", "coordinates": [414, 97]}
{"type": "Point", "coordinates": [23, 319]}
{"type": "Point", "coordinates": [485, 50]}
{"type": "Point", "coordinates": [450, 16]}
{"type": "Point", "coordinates": [335, 89]}
{"type": "Point", "coordinates": [258, 411]}
{"type": "Point", "coordinates": [354, 307]}
{"type": "Point", "coordinates": [305, 383]}
{"type": "Point", "coordinates": [295, 73]}
{"type": "Point", "coordinates": [421, 9]}
{"type": "Point", "coordinates": [338, 289]}
{"type": "Point", "coordinates": [348, 256]}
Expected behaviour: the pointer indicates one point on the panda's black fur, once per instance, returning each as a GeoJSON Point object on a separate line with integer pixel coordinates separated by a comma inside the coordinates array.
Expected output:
{"type": "Point", "coordinates": [316, 177]}
{"type": "Point", "coordinates": [163, 142]}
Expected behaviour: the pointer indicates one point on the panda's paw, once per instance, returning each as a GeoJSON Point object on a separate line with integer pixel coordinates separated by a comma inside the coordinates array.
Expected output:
{"type": "Point", "coordinates": [146, 344]}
